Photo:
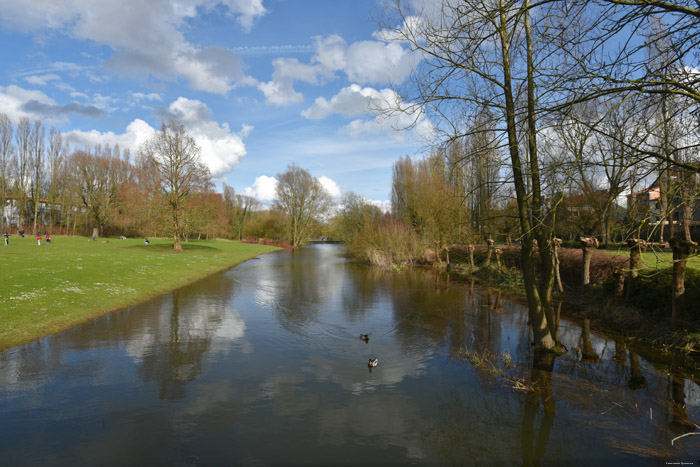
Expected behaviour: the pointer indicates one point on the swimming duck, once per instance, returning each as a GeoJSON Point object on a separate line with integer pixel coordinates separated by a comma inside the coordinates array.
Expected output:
{"type": "Point", "coordinates": [373, 362]}
{"type": "Point", "coordinates": [364, 337]}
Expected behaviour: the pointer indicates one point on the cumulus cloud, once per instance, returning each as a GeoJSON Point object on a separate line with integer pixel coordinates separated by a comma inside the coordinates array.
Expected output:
{"type": "Point", "coordinates": [330, 186]}
{"type": "Point", "coordinates": [264, 189]}
{"type": "Point", "coordinates": [364, 62]}
{"type": "Point", "coordinates": [145, 36]}
{"type": "Point", "coordinates": [280, 90]}
{"type": "Point", "coordinates": [221, 148]}
{"type": "Point", "coordinates": [392, 113]}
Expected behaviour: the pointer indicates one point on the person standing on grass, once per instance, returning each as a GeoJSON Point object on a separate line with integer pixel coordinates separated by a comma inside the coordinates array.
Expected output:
{"type": "Point", "coordinates": [38, 238]}
{"type": "Point", "coordinates": [7, 239]}
{"type": "Point", "coordinates": [48, 238]}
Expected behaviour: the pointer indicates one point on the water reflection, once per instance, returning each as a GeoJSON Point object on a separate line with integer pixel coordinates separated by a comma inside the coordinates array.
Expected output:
{"type": "Point", "coordinates": [264, 365]}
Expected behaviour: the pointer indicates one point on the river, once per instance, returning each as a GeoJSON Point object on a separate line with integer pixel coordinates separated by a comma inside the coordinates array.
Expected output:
{"type": "Point", "coordinates": [263, 365]}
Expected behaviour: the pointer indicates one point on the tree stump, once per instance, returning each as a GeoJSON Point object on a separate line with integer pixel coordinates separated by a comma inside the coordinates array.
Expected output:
{"type": "Point", "coordinates": [470, 249]}
{"type": "Point", "coordinates": [681, 250]}
{"type": "Point", "coordinates": [489, 251]}
{"type": "Point", "coordinates": [619, 276]}
{"type": "Point", "coordinates": [497, 252]}
{"type": "Point", "coordinates": [637, 247]}
{"type": "Point", "coordinates": [588, 244]}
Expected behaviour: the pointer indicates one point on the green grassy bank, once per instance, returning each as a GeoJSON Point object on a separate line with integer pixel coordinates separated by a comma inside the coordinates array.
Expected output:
{"type": "Point", "coordinates": [46, 288]}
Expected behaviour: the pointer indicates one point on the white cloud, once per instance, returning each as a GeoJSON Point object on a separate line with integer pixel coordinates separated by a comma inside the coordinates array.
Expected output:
{"type": "Point", "coordinates": [362, 62]}
{"type": "Point", "coordinates": [280, 90]}
{"type": "Point", "coordinates": [145, 36]}
{"type": "Point", "coordinates": [18, 102]}
{"type": "Point", "coordinates": [264, 189]}
{"type": "Point", "coordinates": [221, 148]}
{"type": "Point", "coordinates": [330, 186]}
{"type": "Point", "coordinates": [365, 61]}
{"type": "Point", "coordinates": [391, 113]}
{"type": "Point", "coordinates": [42, 80]}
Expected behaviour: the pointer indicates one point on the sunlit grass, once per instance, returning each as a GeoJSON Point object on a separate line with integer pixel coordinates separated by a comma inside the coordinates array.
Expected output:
{"type": "Point", "coordinates": [657, 258]}
{"type": "Point", "coordinates": [47, 288]}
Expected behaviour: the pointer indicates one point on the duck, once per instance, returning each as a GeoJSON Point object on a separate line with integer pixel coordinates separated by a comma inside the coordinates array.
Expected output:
{"type": "Point", "coordinates": [373, 362]}
{"type": "Point", "coordinates": [364, 337]}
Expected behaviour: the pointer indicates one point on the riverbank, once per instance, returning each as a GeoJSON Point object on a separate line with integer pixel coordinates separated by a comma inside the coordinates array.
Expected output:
{"type": "Point", "coordinates": [646, 314]}
{"type": "Point", "coordinates": [47, 288]}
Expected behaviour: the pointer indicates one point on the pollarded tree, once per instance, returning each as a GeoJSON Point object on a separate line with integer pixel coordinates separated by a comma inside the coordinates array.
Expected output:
{"type": "Point", "coordinates": [177, 170]}
{"type": "Point", "coordinates": [495, 55]}
{"type": "Point", "coordinates": [303, 199]}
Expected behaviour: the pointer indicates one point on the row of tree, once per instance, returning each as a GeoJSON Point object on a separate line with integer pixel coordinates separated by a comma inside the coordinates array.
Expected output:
{"type": "Point", "coordinates": [165, 190]}
{"type": "Point", "coordinates": [537, 100]}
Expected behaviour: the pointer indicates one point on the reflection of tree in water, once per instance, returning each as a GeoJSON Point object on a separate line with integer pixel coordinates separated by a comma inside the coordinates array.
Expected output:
{"type": "Point", "coordinates": [588, 354]}
{"type": "Point", "coordinates": [174, 362]}
{"type": "Point", "coordinates": [427, 304]}
{"type": "Point", "coordinates": [534, 443]}
{"type": "Point", "coordinates": [477, 428]}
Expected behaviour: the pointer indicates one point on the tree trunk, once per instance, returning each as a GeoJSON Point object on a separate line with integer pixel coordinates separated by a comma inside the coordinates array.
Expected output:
{"type": "Point", "coordinates": [588, 244]}
{"type": "Point", "coordinates": [497, 252]}
{"type": "Point", "coordinates": [556, 243]}
{"type": "Point", "coordinates": [470, 248]}
{"type": "Point", "coordinates": [681, 250]}
{"type": "Point", "coordinates": [619, 276]}
{"type": "Point", "coordinates": [489, 251]}
{"type": "Point", "coordinates": [637, 247]}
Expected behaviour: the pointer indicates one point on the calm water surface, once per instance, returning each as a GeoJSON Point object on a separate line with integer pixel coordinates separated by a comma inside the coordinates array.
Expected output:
{"type": "Point", "coordinates": [263, 365]}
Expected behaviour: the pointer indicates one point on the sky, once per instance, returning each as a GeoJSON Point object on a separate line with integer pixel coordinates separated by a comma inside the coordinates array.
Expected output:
{"type": "Point", "coordinates": [260, 84]}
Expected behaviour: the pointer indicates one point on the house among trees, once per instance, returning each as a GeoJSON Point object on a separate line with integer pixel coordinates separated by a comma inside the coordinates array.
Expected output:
{"type": "Point", "coordinates": [672, 207]}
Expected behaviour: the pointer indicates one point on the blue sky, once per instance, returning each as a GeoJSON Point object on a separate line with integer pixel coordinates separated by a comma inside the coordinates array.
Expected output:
{"type": "Point", "coordinates": [259, 83]}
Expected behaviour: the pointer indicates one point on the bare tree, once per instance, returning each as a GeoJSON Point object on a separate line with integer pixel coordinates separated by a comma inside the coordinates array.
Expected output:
{"type": "Point", "coordinates": [6, 132]}
{"type": "Point", "coordinates": [493, 55]}
{"type": "Point", "coordinates": [178, 170]}
{"type": "Point", "coordinates": [36, 148]}
{"type": "Point", "coordinates": [303, 199]}
{"type": "Point", "coordinates": [22, 167]}
{"type": "Point", "coordinates": [238, 210]}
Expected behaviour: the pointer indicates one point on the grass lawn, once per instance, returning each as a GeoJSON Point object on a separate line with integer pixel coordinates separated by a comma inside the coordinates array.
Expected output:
{"type": "Point", "coordinates": [658, 258]}
{"type": "Point", "coordinates": [46, 288]}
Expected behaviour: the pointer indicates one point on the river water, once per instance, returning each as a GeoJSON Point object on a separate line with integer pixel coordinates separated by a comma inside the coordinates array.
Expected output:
{"type": "Point", "coordinates": [264, 365]}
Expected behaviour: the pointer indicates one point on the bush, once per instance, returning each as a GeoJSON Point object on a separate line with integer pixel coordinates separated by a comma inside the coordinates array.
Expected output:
{"type": "Point", "coordinates": [388, 242]}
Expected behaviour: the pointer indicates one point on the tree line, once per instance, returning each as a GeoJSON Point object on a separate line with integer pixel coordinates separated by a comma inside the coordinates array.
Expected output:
{"type": "Point", "coordinates": [163, 190]}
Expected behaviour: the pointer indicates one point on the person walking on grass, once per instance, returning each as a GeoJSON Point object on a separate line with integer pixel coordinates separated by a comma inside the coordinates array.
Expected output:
{"type": "Point", "coordinates": [38, 238]}
{"type": "Point", "coordinates": [48, 238]}
{"type": "Point", "coordinates": [7, 239]}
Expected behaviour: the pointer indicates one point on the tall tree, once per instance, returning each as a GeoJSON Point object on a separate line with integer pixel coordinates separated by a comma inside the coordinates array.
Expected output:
{"type": "Point", "coordinates": [303, 199]}
{"type": "Point", "coordinates": [492, 55]}
{"type": "Point", "coordinates": [178, 170]}
{"type": "Point", "coordinates": [22, 167]}
{"type": "Point", "coordinates": [6, 132]}
{"type": "Point", "coordinates": [36, 148]}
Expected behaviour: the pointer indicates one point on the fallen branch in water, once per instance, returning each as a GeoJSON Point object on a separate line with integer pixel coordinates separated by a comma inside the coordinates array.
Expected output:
{"type": "Point", "coordinates": [683, 436]}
